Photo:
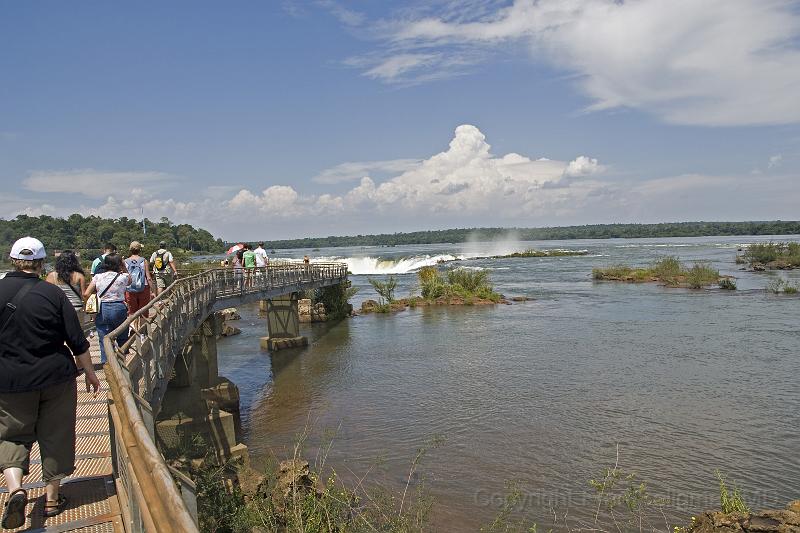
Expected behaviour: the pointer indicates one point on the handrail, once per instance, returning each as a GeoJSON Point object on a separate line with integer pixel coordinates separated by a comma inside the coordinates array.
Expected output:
{"type": "Point", "coordinates": [138, 372]}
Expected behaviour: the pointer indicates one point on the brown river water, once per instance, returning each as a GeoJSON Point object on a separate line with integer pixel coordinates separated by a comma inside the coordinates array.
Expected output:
{"type": "Point", "coordinates": [545, 392]}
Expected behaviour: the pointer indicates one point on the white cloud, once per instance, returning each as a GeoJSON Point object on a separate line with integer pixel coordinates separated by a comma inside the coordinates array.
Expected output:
{"type": "Point", "coordinates": [715, 62]}
{"type": "Point", "coordinates": [582, 166]}
{"type": "Point", "coordinates": [354, 170]}
{"type": "Point", "coordinates": [95, 183]}
{"type": "Point", "coordinates": [465, 179]}
{"type": "Point", "coordinates": [775, 161]}
{"type": "Point", "coordinates": [465, 184]}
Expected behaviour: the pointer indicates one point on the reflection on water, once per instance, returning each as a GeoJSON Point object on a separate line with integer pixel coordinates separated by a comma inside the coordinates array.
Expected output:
{"type": "Point", "coordinates": [542, 392]}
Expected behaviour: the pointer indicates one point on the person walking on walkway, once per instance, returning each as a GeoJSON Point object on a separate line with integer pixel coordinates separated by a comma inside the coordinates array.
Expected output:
{"type": "Point", "coordinates": [109, 248]}
{"type": "Point", "coordinates": [40, 340]}
{"type": "Point", "coordinates": [164, 270]}
{"type": "Point", "coordinates": [262, 260]}
{"type": "Point", "coordinates": [249, 260]}
{"type": "Point", "coordinates": [137, 295]}
{"type": "Point", "coordinates": [69, 277]}
{"type": "Point", "coordinates": [238, 269]}
{"type": "Point", "coordinates": [110, 284]}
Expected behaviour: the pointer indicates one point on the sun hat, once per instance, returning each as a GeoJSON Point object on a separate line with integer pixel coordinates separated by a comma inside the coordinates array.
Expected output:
{"type": "Point", "coordinates": [28, 248]}
{"type": "Point", "coordinates": [162, 243]}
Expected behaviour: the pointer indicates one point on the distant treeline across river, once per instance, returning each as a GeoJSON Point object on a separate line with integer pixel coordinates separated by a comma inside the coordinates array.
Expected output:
{"type": "Point", "coordinates": [593, 231]}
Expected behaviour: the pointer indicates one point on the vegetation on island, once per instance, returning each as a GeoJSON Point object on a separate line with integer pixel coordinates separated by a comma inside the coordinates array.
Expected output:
{"type": "Point", "coordinates": [667, 270]}
{"type": "Point", "coordinates": [593, 231]}
{"type": "Point", "coordinates": [542, 253]}
{"type": "Point", "coordinates": [454, 286]}
{"type": "Point", "coordinates": [780, 285]}
{"type": "Point", "coordinates": [88, 235]}
{"type": "Point", "coordinates": [771, 255]}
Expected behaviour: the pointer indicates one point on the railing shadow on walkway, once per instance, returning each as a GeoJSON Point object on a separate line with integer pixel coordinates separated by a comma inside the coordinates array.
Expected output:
{"type": "Point", "coordinates": [153, 496]}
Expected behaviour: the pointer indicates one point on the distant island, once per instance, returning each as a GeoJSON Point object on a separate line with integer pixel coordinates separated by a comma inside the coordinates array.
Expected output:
{"type": "Point", "coordinates": [594, 231]}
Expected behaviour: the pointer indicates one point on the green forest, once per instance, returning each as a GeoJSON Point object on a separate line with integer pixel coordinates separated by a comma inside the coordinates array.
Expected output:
{"type": "Point", "coordinates": [89, 234]}
{"type": "Point", "coordinates": [594, 231]}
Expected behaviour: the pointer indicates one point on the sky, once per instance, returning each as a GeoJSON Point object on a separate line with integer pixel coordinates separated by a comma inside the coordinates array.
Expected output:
{"type": "Point", "coordinates": [286, 119]}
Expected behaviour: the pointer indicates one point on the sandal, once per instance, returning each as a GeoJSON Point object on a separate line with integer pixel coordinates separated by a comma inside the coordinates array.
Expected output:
{"type": "Point", "coordinates": [14, 512]}
{"type": "Point", "coordinates": [54, 508]}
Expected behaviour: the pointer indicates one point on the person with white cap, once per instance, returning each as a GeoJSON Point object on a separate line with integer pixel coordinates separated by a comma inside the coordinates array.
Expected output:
{"type": "Point", "coordinates": [40, 340]}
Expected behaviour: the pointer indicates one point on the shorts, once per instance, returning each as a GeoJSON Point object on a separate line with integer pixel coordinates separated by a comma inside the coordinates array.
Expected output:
{"type": "Point", "coordinates": [163, 280]}
{"type": "Point", "coordinates": [47, 416]}
{"type": "Point", "coordinates": [137, 300]}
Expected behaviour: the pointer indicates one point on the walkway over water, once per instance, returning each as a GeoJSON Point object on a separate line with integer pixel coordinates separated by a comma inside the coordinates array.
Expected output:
{"type": "Point", "coordinates": [122, 482]}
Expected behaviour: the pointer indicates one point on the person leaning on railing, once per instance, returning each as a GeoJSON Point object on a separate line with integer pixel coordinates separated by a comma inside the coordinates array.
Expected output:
{"type": "Point", "coordinates": [40, 339]}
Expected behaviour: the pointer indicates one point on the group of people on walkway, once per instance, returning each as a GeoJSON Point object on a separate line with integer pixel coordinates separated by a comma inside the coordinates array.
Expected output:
{"type": "Point", "coordinates": [43, 349]}
{"type": "Point", "coordinates": [245, 262]}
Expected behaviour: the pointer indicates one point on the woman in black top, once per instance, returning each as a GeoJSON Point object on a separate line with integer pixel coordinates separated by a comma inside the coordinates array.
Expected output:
{"type": "Point", "coordinates": [40, 339]}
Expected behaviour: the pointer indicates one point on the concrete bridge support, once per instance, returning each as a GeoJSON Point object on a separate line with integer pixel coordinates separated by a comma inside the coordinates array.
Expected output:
{"type": "Point", "coordinates": [283, 324]}
{"type": "Point", "coordinates": [200, 402]}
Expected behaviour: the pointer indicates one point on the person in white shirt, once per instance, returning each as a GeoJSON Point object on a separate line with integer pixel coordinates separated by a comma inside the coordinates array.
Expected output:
{"type": "Point", "coordinates": [261, 256]}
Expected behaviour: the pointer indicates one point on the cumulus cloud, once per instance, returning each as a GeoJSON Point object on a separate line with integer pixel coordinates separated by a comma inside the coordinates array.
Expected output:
{"type": "Point", "coordinates": [354, 170]}
{"type": "Point", "coordinates": [94, 183]}
{"type": "Point", "coordinates": [716, 62]}
{"type": "Point", "coordinates": [464, 179]}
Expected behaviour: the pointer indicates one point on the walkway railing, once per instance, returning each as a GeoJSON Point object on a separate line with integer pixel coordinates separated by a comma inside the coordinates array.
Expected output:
{"type": "Point", "coordinates": [140, 370]}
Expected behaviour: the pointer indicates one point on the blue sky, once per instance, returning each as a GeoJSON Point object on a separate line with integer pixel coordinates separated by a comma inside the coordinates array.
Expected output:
{"type": "Point", "coordinates": [287, 119]}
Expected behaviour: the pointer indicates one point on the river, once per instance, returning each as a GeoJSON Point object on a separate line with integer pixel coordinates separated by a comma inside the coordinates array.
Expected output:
{"type": "Point", "coordinates": [679, 382]}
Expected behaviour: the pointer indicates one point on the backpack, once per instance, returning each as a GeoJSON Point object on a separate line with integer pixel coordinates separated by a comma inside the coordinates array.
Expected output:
{"type": "Point", "coordinates": [158, 264]}
{"type": "Point", "coordinates": [136, 270]}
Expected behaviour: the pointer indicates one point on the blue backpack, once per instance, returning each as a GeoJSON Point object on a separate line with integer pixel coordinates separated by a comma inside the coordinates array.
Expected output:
{"type": "Point", "coordinates": [136, 270]}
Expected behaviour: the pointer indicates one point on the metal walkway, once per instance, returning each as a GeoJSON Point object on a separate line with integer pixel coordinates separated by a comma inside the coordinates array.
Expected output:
{"type": "Point", "coordinates": [93, 505]}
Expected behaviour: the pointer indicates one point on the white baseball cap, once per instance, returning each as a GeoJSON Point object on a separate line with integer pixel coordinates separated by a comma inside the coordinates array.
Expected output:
{"type": "Point", "coordinates": [28, 248]}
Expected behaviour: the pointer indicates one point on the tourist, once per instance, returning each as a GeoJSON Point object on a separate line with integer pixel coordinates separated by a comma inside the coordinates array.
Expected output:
{"type": "Point", "coordinates": [137, 294]}
{"type": "Point", "coordinates": [40, 338]}
{"type": "Point", "coordinates": [249, 261]}
{"type": "Point", "coordinates": [164, 269]}
{"type": "Point", "coordinates": [262, 259]}
{"type": "Point", "coordinates": [238, 269]}
{"type": "Point", "coordinates": [69, 277]}
{"type": "Point", "coordinates": [110, 284]}
{"type": "Point", "coordinates": [107, 249]}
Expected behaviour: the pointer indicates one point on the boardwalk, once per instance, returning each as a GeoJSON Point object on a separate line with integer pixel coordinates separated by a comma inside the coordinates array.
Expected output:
{"type": "Point", "coordinates": [93, 505]}
{"type": "Point", "coordinates": [129, 487]}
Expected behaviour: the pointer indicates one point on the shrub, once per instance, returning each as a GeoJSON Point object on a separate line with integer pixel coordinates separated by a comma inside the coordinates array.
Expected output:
{"type": "Point", "coordinates": [468, 280]}
{"type": "Point", "coordinates": [700, 275]}
{"type": "Point", "coordinates": [430, 282]}
{"type": "Point", "coordinates": [785, 253]}
{"type": "Point", "coordinates": [667, 269]}
{"type": "Point", "coordinates": [385, 289]}
{"type": "Point", "coordinates": [775, 285]}
{"type": "Point", "coordinates": [728, 284]}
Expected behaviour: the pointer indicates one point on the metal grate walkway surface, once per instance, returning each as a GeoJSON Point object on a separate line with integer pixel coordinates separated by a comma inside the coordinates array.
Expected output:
{"type": "Point", "coordinates": [93, 505]}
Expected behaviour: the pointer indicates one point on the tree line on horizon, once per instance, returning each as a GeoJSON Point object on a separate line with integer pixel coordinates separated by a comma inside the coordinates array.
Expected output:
{"type": "Point", "coordinates": [592, 231]}
{"type": "Point", "coordinates": [90, 234]}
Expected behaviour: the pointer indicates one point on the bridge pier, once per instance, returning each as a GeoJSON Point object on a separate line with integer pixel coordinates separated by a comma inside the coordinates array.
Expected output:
{"type": "Point", "coordinates": [200, 402]}
{"type": "Point", "coordinates": [283, 324]}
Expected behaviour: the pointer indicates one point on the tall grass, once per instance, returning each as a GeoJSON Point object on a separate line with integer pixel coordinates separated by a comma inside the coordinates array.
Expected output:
{"type": "Point", "coordinates": [731, 501]}
{"type": "Point", "coordinates": [668, 270]}
{"type": "Point", "coordinates": [784, 253]}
